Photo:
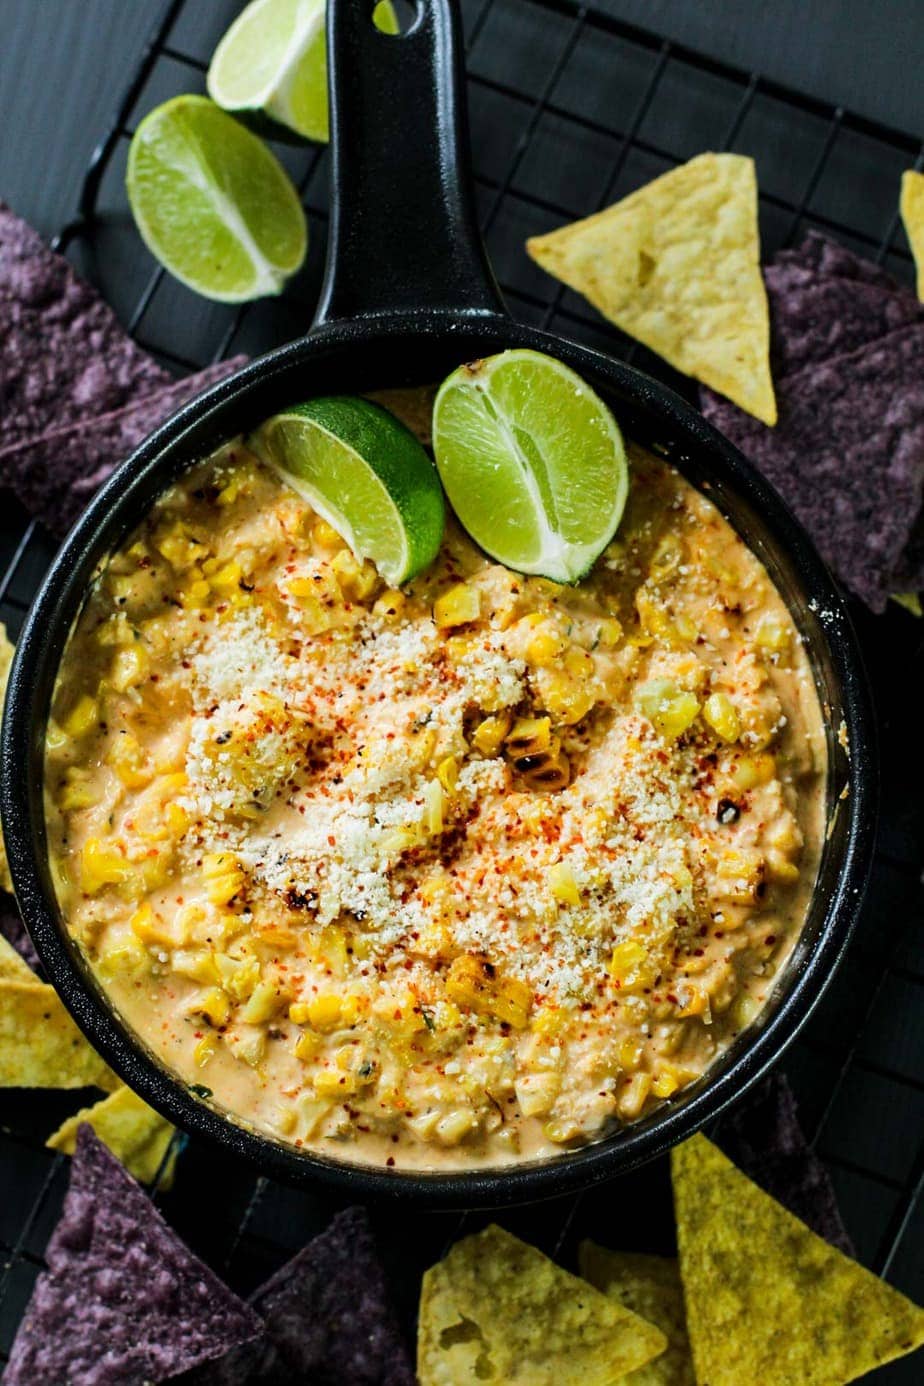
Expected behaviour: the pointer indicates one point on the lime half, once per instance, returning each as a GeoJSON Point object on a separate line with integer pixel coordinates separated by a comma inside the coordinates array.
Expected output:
{"type": "Point", "coordinates": [213, 205]}
{"type": "Point", "coordinates": [366, 474]}
{"type": "Point", "coordinates": [533, 462]}
{"type": "Point", "coordinates": [271, 65]}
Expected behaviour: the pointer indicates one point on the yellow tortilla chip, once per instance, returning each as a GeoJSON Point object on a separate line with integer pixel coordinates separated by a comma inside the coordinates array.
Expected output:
{"type": "Point", "coordinates": [649, 1286]}
{"type": "Point", "coordinates": [910, 601]}
{"type": "Point", "coordinates": [40, 1046]}
{"type": "Point", "coordinates": [767, 1300]}
{"type": "Point", "coordinates": [677, 266]}
{"type": "Point", "coordinates": [497, 1310]}
{"type": "Point", "coordinates": [13, 968]}
{"type": "Point", "coordinates": [133, 1131]}
{"type": "Point", "coordinates": [6, 659]}
{"type": "Point", "coordinates": [912, 210]}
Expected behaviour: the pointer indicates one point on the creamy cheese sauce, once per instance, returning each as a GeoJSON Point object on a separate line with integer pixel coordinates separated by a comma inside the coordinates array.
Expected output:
{"type": "Point", "coordinates": [458, 875]}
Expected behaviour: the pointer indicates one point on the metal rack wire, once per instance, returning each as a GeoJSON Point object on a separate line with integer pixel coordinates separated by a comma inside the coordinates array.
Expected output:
{"type": "Point", "coordinates": [570, 108]}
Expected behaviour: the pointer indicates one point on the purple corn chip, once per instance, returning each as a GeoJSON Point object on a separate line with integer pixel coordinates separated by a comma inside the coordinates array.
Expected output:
{"type": "Point", "coordinates": [847, 454]}
{"type": "Point", "coordinates": [14, 931]}
{"type": "Point", "coordinates": [764, 1139]}
{"type": "Point", "coordinates": [327, 1320]}
{"type": "Point", "coordinates": [64, 355]}
{"type": "Point", "coordinates": [822, 255]}
{"type": "Point", "coordinates": [55, 475]}
{"type": "Point", "coordinates": [123, 1300]}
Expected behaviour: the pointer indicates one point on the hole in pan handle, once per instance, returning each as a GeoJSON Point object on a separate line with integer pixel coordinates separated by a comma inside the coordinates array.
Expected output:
{"type": "Point", "coordinates": [403, 231]}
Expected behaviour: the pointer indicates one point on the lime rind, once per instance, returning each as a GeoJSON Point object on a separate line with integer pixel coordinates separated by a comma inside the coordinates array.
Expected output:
{"type": "Point", "coordinates": [366, 474]}
{"type": "Point", "coordinates": [533, 462]}
{"type": "Point", "coordinates": [186, 161]}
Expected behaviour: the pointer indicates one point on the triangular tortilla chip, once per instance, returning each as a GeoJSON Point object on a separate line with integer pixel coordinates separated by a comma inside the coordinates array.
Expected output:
{"type": "Point", "coordinates": [12, 967]}
{"type": "Point", "coordinates": [123, 1299]}
{"type": "Point", "coordinates": [768, 1301]}
{"type": "Point", "coordinates": [649, 1286]}
{"type": "Point", "coordinates": [40, 1046]}
{"type": "Point", "coordinates": [498, 1311]}
{"type": "Point", "coordinates": [133, 1131]}
{"type": "Point", "coordinates": [677, 266]}
{"type": "Point", "coordinates": [912, 210]}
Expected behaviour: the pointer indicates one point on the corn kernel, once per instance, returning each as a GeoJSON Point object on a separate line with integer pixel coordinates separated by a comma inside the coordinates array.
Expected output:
{"type": "Point", "coordinates": [204, 1051]}
{"type": "Point", "coordinates": [475, 984]}
{"type": "Point", "coordinates": [129, 668]}
{"type": "Point", "coordinates": [749, 772]}
{"type": "Point", "coordinates": [128, 760]}
{"type": "Point", "coordinates": [333, 1084]}
{"type": "Point", "coordinates": [628, 964]}
{"type": "Point", "coordinates": [447, 772]}
{"type": "Point", "coordinates": [536, 1092]}
{"type": "Point", "coordinates": [389, 604]}
{"type": "Point", "coordinates": [307, 1046]}
{"type": "Point", "coordinates": [239, 976]}
{"type": "Point", "coordinates": [666, 1083]}
{"type": "Point", "coordinates": [125, 959]}
{"type": "Point", "coordinates": [101, 866]}
{"type": "Point", "coordinates": [563, 885]}
{"type": "Point", "coordinates": [325, 1012]}
{"type": "Point", "coordinates": [214, 1005]}
{"type": "Point", "coordinates": [227, 578]}
{"type": "Point", "coordinates": [263, 1004]}
{"type": "Point", "coordinates": [195, 593]}
{"type": "Point", "coordinates": [772, 635]}
{"type": "Point", "coordinates": [720, 713]}
{"type": "Point", "coordinates": [488, 736]}
{"type": "Point", "coordinates": [454, 1126]}
{"type": "Point", "coordinates": [457, 607]}
{"type": "Point", "coordinates": [634, 1096]}
{"type": "Point", "coordinates": [566, 698]}
{"type": "Point", "coordinates": [325, 534]}
{"type": "Point", "coordinates": [299, 1013]}
{"type": "Point", "coordinates": [77, 792]}
{"type": "Point", "coordinates": [630, 1054]}
{"type": "Point", "coordinates": [82, 717]}
{"type": "Point", "coordinates": [609, 634]}
{"type": "Point", "coordinates": [357, 580]}
{"type": "Point", "coordinates": [180, 549]}
{"type": "Point", "coordinates": [529, 736]}
{"type": "Point", "coordinates": [223, 877]}
{"type": "Point", "coordinates": [578, 663]}
{"type": "Point", "coordinates": [197, 964]}
{"type": "Point", "coordinates": [671, 711]}
{"type": "Point", "coordinates": [546, 646]}
{"type": "Point", "coordinates": [433, 808]}
{"type": "Point", "coordinates": [151, 931]}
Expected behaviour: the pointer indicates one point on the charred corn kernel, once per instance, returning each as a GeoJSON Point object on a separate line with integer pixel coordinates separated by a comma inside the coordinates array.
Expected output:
{"type": "Point", "coordinates": [454, 1126]}
{"type": "Point", "coordinates": [665, 1083]}
{"type": "Point", "coordinates": [566, 698]}
{"type": "Point", "coordinates": [563, 885]}
{"type": "Point", "coordinates": [356, 579]}
{"type": "Point", "coordinates": [609, 634]}
{"type": "Point", "coordinates": [180, 548]}
{"type": "Point", "coordinates": [433, 808]}
{"type": "Point", "coordinates": [307, 1046]}
{"type": "Point", "coordinates": [634, 1096]}
{"type": "Point", "coordinates": [129, 668]}
{"type": "Point", "coordinates": [546, 646]}
{"type": "Point", "coordinates": [536, 1092]}
{"type": "Point", "coordinates": [628, 963]}
{"type": "Point", "coordinates": [772, 635]}
{"type": "Point", "coordinates": [670, 710]}
{"type": "Point", "coordinates": [550, 772]}
{"type": "Point", "coordinates": [476, 984]}
{"type": "Point", "coordinates": [325, 1012]}
{"type": "Point", "coordinates": [720, 713]}
{"type": "Point", "coordinates": [389, 604]}
{"type": "Point", "coordinates": [264, 1003]}
{"type": "Point", "coordinates": [227, 578]}
{"type": "Point", "coordinates": [327, 536]}
{"type": "Point", "coordinates": [198, 964]}
{"type": "Point", "coordinates": [214, 1005]}
{"type": "Point", "coordinates": [223, 877]}
{"type": "Point", "coordinates": [488, 736]}
{"type": "Point", "coordinates": [749, 772]}
{"type": "Point", "coordinates": [204, 1051]}
{"type": "Point", "coordinates": [458, 606]}
{"type": "Point", "coordinates": [447, 772]}
{"type": "Point", "coordinates": [529, 736]}
{"type": "Point", "coordinates": [129, 761]}
{"type": "Point", "coordinates": [77, 792]}
{"type": "Point", "coordinates": [83, 716]}
{"type": "Point", "coordinates": [102, 866]}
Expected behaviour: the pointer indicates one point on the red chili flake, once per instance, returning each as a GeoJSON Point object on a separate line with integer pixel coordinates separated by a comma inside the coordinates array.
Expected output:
{"type": "Point", "coordinates": [672, 999]}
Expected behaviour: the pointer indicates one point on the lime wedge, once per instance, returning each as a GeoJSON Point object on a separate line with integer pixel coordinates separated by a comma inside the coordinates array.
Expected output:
{"type": "Point", "coordinates": [271, 65]}
{"type": "Point", "coordinates": [366, 474]}
{"type": "Point", "coordinates": [533, 462]}
{"type": "Point", "coordinates": [213, 205]}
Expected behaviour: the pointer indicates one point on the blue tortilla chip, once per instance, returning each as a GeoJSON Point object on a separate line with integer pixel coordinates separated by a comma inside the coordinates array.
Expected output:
{"type": "Point", "coordinates": [123, 1300]}
{"type": "Point", "coordinates": [763, 1137]}
{"type": "Point", "coordinates": [327, 1320]}
{"type": "Point", "coordinates": [55, 475]}
{"type": "Point", "coordinates": [14, 931]}
{"type": "Point", "coordinates": [64, 355]}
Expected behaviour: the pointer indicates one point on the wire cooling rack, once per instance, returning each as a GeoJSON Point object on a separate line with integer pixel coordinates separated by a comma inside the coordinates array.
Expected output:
{"type": "Point", "coordinates": [570, 109]}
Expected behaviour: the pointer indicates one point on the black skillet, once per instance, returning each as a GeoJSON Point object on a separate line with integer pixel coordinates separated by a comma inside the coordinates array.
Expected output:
{"type": "Point", "coordinates": [408, 295]}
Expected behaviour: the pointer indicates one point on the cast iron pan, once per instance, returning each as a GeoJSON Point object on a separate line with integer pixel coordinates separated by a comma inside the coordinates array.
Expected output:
{"type": "Point", "coordinates": [409, 295]}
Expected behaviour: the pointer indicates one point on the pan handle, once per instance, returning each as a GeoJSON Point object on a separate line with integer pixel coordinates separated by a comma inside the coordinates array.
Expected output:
{"type": "Point", "coordinates": [403, 232]}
